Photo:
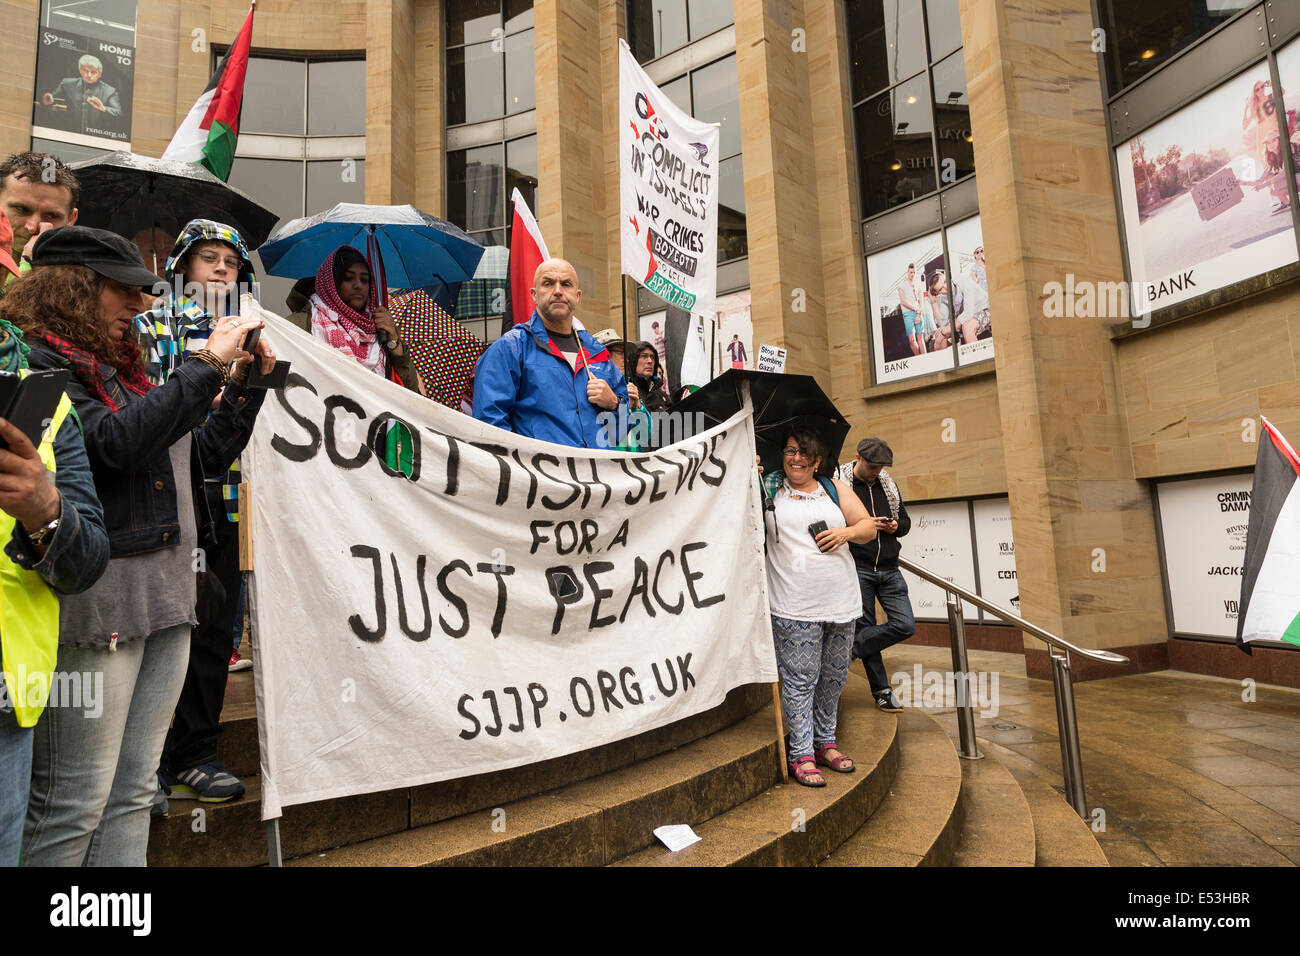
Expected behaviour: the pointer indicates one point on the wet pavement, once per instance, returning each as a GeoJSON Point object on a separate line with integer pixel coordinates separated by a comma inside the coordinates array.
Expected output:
{"type": "Point", "coordinates": [1185, 769]}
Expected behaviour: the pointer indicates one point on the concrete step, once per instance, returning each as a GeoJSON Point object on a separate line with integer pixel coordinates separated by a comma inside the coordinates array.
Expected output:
{"type": "Point", "coordinates": [1061, 836]}
{"type": "Point", "coordinates": [920, 819]}
{"type": "Point", "coordinates": [595, 821]}
{"type": "Point", "coordinates": [792, 825]}
{"type": "Point", "coordinates": [232, 834]}
{"type": "Point", "coordinates": [998, 829]}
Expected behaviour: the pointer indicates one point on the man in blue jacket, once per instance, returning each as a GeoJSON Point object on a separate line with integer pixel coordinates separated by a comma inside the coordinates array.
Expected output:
{"type": "Point", "coordinates": [546, 378]}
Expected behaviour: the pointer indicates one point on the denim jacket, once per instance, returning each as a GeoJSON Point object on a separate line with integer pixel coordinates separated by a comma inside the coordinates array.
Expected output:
{"type": "Point", "coordinates": [77, 552]}
{"type": "Point", "coordinates": [128, 449]}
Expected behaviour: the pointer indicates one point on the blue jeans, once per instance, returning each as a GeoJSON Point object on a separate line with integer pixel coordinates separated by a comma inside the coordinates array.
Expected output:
{"type": "Point", "coordinates": [94, 777]}
{"type": "Point", "coordinates": [15, 780]}
{"type": "Point", "coordinates": [870, 638]}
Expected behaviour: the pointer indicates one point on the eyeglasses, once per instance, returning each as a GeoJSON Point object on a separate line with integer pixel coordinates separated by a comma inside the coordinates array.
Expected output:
{"type": "Point", "coordinates": [212, 258]}
{"type": "Point", "coordinates": [796, 452]}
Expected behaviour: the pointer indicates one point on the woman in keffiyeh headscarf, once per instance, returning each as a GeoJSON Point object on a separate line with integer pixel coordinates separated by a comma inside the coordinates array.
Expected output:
{"type": "Point", "coordinates": [344, 310]}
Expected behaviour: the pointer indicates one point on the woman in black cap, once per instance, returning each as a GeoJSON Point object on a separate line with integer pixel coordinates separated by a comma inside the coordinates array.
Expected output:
{"type": "Point", "coordinates": [93, 775]}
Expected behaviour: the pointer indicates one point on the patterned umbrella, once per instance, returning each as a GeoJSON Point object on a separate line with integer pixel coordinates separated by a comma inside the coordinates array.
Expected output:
{"type": "Point", "coordinates": [444, 351]}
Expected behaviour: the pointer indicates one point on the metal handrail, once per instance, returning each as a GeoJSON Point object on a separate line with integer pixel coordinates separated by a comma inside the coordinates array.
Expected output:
{"type": "Point", "coordinates": [1103, 657]}
{"type": "Point", "coordinates": [1067, 721]}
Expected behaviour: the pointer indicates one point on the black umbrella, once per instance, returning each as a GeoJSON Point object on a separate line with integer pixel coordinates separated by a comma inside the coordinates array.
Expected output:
{"type": "Point", "coordinates": [780, 401]}
{"type": "Point", "coordinates": [127, 193]}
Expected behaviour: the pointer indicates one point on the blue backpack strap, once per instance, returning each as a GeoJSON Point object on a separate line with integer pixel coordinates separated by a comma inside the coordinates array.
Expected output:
{"type": "Point", "coordinates": [829, 486]}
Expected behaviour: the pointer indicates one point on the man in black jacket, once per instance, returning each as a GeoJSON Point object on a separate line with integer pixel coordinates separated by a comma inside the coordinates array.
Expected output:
{"type": "Point", "coordinates": [877, 561]}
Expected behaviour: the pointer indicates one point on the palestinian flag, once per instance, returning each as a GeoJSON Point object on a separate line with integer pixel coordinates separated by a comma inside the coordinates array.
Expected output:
{"type": "Point", "coordinates": [208, 135]}
{"type": "Point", "coordinates": [1269, 609]}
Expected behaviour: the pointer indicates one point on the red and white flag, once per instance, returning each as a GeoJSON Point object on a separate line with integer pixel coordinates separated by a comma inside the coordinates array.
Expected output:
{"type": "Point", "coordinates": [527, 252]}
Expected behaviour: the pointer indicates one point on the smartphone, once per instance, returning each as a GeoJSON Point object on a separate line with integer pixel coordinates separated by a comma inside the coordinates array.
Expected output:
{"type": "Point", "coordinates": [251, 340]}
{"type": "Point", "coordinates": [816, 528]}
{"type": "Point", "coordinates": [9, 384]}
{"type": "Point", "coordinates": [33, 407]}
{"type": "Point", "coordinates": [276, 378]}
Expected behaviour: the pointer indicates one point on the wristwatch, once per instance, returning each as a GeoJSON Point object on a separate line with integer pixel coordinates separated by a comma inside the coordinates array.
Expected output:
{"type": "Point", "coordinates": [41, 535]}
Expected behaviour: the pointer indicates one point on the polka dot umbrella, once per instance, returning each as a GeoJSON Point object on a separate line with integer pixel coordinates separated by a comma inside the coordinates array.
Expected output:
{"type": "Point", "coordinates": [443, 350]}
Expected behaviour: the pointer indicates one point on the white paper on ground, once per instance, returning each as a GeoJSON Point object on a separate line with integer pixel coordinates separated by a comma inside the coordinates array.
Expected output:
{"type": "Point", "coordinates": [677, 836]}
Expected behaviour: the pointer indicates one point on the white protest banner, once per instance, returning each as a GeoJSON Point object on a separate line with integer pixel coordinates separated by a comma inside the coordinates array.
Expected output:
{"type": "Point", "coordinates": [771, 358]}
{"type": "Point", "coordinates": [668, 184]}
{"type": "Point", "coordinates": [509, 602]}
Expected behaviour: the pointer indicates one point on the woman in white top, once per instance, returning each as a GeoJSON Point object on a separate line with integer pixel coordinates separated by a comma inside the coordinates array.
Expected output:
{"type": "Point", "coordinates": [815, 600]}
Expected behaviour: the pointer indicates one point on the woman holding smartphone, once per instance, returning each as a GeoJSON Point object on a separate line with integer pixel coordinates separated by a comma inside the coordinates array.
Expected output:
{"type": "Point", "coordinates": [93, 770]}
{"type": "Point", "coordinates": [813, 591]}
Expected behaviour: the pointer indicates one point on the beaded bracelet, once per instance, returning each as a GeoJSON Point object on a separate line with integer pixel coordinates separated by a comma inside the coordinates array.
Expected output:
{"type": "Point", "coordinates": [209, 358]}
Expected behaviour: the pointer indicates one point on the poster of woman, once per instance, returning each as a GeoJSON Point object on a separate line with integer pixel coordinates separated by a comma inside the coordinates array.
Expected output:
{"type": "Point", "coordinates": [911, 327]}
{"type": "Point", "coordinates": [1199, 194]}
{"type": "Point", "coordinates": [972, 322]}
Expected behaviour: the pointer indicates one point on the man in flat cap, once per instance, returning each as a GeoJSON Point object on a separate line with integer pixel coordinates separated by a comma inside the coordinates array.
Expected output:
{"type": "Point", "coordinates": [877, 562]}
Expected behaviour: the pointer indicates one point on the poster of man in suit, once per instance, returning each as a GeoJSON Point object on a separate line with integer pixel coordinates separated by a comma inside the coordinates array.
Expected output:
{"type": "Point", "coordinates": [85, 75]}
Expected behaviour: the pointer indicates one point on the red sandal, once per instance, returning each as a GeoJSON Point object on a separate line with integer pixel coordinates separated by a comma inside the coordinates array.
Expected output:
{"type": "Point", "coordinates": [805, 770]}
{"type": "Point", "coordinates": [839, 762]}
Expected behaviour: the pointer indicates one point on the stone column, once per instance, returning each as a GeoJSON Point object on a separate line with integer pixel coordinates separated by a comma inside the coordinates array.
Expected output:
{"type": "Point", "coordinates": [781, 177]}
{"type": "Point", "coordinates": [18, 40]}
{"type": "Point", "coordinates": [428, 119]}
{"type": "Point", "coordinates": [1086, 551]}
{"type": "Point", "coordinates": [572, 77]}
{"type": "Point", "coordinates": [390, 101]}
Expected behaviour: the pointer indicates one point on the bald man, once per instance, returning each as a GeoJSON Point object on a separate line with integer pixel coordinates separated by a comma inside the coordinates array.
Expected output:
{"type": "Point", "coordinates": [547, 378]}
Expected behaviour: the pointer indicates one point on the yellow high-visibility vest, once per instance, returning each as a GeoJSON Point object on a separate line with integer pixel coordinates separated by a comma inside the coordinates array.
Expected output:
{"type": "Point", "coordinates": [29, 612]}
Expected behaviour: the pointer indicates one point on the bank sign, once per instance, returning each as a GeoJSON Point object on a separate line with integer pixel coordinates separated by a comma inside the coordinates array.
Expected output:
{"type": "Point", "coordinates": [668, 184]}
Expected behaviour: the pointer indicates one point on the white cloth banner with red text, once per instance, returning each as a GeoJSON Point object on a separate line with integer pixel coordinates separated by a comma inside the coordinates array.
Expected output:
{"type": "Point", "coordinates": [509, 602]}
{"type": "Point", "coordinates": [668, 189]}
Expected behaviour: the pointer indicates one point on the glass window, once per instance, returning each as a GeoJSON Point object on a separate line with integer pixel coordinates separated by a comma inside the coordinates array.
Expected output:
{"type": "Point", "coordinates": [474, 84]}
{"type": "Point", "coordinates": [895, 154]}
{"type": "Point", "coordinates": [519, 15]}
{"type": "Point", "coordinates": [284, 112]}
{"type": "Point", "coordinates": [474, 181]}
{"type": "Point", "coordinates": [885, 43]}
{"type": "Point", "coordinates": [655, 27]}
{"type": "Point", "coordinates": [952, 111]}
{"type": "Point", "coordinates": [275, 183]}
{"type": "Point", "coordinates": [472, 21]}
{"type": "Point", "coordinates": [679, 91]}
{"type": "Point", "coordinates": [709, 16]}
{"type": "Point", "coordinates": [336, 98]}
{"type": "Point", "coordinates": [521, 170]}
{"type": "Point", "coordinates": [733, 242]}
{"type": "Point", "coordinates": [1141, 36]}
{"type": "Point", "coordinates": [944, 24]}
{"type": "Point", "coordinates": [334, 181]}
{"type": "Point", "coordinates": [521, 78]}
{"type": "Point", "coordinates": [716, 100]}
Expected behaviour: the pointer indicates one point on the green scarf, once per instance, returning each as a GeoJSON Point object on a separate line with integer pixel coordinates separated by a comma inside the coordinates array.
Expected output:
{"type": "Point", "coordinates": [13, 350]}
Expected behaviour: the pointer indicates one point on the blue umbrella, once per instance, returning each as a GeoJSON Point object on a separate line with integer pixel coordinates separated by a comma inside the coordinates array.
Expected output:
{"type": "Point", "coordinates": [415, 248]}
